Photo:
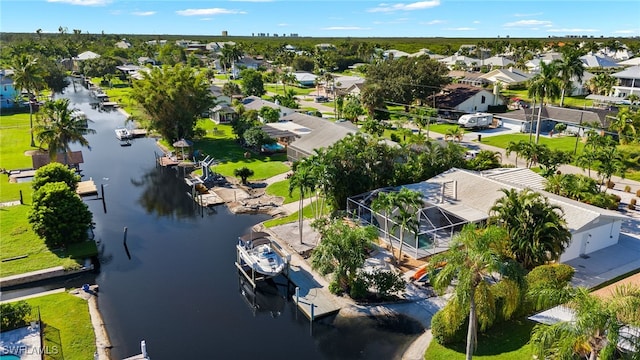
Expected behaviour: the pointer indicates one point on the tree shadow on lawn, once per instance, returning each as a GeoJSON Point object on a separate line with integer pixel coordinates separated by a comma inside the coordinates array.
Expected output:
{"type": "Point", "coordinates": [228, 150]}
{"type": "Point", "coordinates": [504, 337]}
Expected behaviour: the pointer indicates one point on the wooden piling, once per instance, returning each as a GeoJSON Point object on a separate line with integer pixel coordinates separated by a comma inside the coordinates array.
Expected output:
{"type": "Point", "coordinates": [21, 201]}
{"type": "Point", "coordinates": [104, 204]}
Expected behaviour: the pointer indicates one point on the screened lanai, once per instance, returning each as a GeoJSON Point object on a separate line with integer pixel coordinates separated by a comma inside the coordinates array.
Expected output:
{"type": "Point", "coordinates": [438, 220]}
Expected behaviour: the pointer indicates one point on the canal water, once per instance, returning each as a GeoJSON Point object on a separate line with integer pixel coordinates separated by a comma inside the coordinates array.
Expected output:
{"type": "Point", "coordinates": [176, 285]}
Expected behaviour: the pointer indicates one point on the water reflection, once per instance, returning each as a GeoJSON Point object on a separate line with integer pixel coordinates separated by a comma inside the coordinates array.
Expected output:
{"type": "Point", "coordinates": [178, 287]}
{"type": "Point", "coordinates": [164, 194]}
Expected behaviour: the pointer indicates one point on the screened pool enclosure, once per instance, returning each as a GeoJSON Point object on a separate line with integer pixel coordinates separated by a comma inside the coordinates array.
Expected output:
{"type": "Point", "coordinates": [438, 219]}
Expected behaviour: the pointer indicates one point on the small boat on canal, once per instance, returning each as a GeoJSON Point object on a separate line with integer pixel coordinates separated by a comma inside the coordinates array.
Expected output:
{"type": "Point", "coordinates": [262, 255]}
{"type": "Point", "coordinates": [123, 134]}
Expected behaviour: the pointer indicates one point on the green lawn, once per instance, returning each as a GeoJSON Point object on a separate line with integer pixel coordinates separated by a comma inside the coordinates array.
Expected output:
{"type": "Point", "coordinates": [18, 239]}
{"type": "Point", "coordinates": [571, 101]}
{"type": "Point", "coordinates": [222, 146]}
{"type": "Point", "coordinates": [67, 315]}
{"type": "Point", "coordinates": [564, 143]}
{"type": "Point", "coordinates": [505, 341]}
{"type": "Point", "coordinates": [14, 141]}
{"type": "Point", "coordinates": [281, 188]}
{"type": "Point", "coordinates": [278, 89]}
{"type": "Point", "coordinates": [307, 212]}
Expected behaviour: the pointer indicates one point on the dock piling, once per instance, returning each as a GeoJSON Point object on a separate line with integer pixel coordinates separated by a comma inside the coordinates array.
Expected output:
{"type": "Point", "coordinates": [104, 204]}
{"type": "Point", "coordinates": [21, 201]}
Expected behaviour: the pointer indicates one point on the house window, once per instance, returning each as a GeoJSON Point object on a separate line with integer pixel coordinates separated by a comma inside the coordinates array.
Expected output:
{"type": "Point", "coordinates": [482, 101]}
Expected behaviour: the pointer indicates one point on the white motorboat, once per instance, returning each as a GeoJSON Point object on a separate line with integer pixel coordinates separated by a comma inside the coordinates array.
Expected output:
{"type": "Point", "coordinates": [258, 252]}
{"type": "Point", "coordinates": [123, 134]}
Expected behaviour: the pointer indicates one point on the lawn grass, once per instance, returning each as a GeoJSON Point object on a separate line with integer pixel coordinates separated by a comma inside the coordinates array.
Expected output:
{"type": "Point", "coordinates": [505, 341]}
{"type": "Point", "coordinates": [570, 101]}
{"type": "Point", "coordinates": [11, 191]}
{"type": "Point", "coordinates": [281, 188]}
{"type": "Point", "coordinates": [307, 213]}
{"type": "Point", "coordinates": [222, 146]}
{"type": "Point", "coordinates": [564, 143]}
{"type": "Point", "coordinates": [18, 239]}
{"type": "Point", "coordinates": [14, 141]}
{"type": "Point", "coordinates": [68, 315]}
{"type": "Point", "coordinates": [277, 89]}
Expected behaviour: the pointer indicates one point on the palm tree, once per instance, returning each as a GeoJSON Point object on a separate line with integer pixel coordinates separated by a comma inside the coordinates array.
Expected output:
{"type": "Point", "coordinates": [610, 161]}
{"type": "Point", "coordinates": [454, 133]}
{"type": "Point", "coordinates": [59, 126]}
{"type": "Point", "coordinates": [537, 229]}
{"type": "Point", "coordinates": [304, 181]}
{"type": "Point", "coordinates": [384, 203]}
{"type": "Point", "coordinates": [230, 54]}
{"type": "Point", "coordinates": [243, 173]}
{"type": "Point", "coordinates": [28, 76]}
{"type": "Point", "coordinates": [602, 84]}
{"type": "Point", "coordinates": [623, 124]}
{"type": "Point", "coordinates": [287, 78]}
{"type": "Point", "coordinates": [515, 147]}
{"type": "Point", "coordinates": [342, 252]}
{"type": "Point", "coordinates": [570, 67]}
{"type": "Point", "coordinates": [474, 258]}
{"type": "Point", "coordinates": [594, 332]}
{"type": "Point", "coordinates": [408, 203]}
{"type": "Point", "coordinates": [544, 85]}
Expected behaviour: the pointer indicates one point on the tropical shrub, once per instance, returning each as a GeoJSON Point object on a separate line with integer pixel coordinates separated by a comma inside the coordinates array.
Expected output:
{"type": "Point", "coordinates": [385, 283]}
{"type": "Point", "coordinates": [14, 315]}
{"type": "Point", "coordinates": [447, 327]}
{"type": "Point", "coordinates": [632, 204]}
{"type": "Point", "coordinates": [59, 216]}
{"type": "Point", "coordinates": [55, 172]}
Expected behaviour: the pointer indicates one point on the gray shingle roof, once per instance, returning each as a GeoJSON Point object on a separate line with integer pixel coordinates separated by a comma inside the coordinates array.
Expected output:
{"type": "Point", "coordinates": [467, 184]}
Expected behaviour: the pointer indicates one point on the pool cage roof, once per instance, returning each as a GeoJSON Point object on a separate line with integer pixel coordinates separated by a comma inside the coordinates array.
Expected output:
{"type": "Point", "coordinates": [437, 222]}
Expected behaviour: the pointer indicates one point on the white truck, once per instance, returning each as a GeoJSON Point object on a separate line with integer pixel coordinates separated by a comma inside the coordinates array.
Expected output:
{"type": "Point", "coordinates": [477, 120]}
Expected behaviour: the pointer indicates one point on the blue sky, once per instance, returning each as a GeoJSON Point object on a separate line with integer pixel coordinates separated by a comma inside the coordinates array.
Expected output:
{"type": "Point", "coordinates": [355, 18]}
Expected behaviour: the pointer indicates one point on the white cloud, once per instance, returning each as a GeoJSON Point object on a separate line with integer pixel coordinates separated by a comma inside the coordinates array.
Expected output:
{"type": "Point", "coordinates": [82, 2]}
{"type": "Point", "coordinates": [210, 11]}
{"type": "Point", "coordinates": [476, 21]}
{"type": "Point", "coordinates": [345, 28]}
{"type": "Point", "coordinates": [625, 32]}
{"type": "Point", "coordinates": [143, 13]}
{"type": "Point", "coordinates": [527, 23]}
{"type": "Point", "coordinates": [527, 15]}
{"type": "Point", "coordinates": [420, 5]}
{"type": "Point", "coordinates": [433, 22]}
{"type": "Point", "coordinates": [283, 24]}
{"type": "Point", "coordinates": [574, 30]}
{"type": "Point", "coordinates": [461, 29]}
{"type": "Point", "coordinates": [256, 1]}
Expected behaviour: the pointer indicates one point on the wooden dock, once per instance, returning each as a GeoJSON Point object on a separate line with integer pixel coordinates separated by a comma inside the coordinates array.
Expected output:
{"type": "Point", "coordinates": [136, 133]}
{"type": "Point", "coordinates": [86, 188]}
{"type": "Point", "coordinates": [167, 161]}
{"type": "Point", "coordinates": [312, 298]}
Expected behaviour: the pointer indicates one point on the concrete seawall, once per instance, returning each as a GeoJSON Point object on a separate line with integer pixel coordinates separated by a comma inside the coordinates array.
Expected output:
{"type": "Point", "coordinates": [43, 274]}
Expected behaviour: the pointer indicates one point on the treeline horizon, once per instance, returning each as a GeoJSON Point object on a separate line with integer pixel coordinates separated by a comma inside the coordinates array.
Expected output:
{"type": "Point", "coordinates": [407, 44]}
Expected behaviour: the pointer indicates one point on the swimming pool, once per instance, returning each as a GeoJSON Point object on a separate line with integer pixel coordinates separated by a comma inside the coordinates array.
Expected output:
{"type": "Point", "coordinates": [9, 357]}
{"type": "Point", "coordinates": [272, 147]}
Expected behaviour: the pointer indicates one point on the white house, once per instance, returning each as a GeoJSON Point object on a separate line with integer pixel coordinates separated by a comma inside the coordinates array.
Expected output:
{"type": "Point", "coordinates": [628, 82]}
{"type": "Point", "coordinates": [454, 60]}
{"type": "Point", "coordinates": [466, 99]}
{"type": "Point", "coordinates": [256, 103]}
{"type": "Point", "coordinates": [457, 197]}
{"type": "Point", "coordinates": [508, 77]}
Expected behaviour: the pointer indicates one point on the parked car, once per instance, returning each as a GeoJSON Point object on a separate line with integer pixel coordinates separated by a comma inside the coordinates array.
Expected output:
{"type": "Point", "coordinates": [321, 99]}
